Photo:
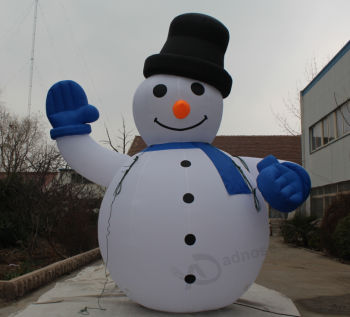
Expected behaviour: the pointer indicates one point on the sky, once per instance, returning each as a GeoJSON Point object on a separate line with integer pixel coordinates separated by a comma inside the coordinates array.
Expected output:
{"type": "Point", "coordinates": [102, 45]}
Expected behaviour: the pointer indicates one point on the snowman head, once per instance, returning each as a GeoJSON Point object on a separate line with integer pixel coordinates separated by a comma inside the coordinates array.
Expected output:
{"type": "Point", "coordinates": [170, 108]}
{"type": "Point", "coordinates": [181, 99]}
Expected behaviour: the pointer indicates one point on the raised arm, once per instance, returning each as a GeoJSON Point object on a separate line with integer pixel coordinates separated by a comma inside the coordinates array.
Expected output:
{"type": "Point", "coordinates": [68, 111]}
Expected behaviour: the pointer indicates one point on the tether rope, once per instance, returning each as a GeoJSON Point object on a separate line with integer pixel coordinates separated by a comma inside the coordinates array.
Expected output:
{"type": "Point", "coordinates": [116, 192]}
{"type": "Point", "coordinates": [252, 189]}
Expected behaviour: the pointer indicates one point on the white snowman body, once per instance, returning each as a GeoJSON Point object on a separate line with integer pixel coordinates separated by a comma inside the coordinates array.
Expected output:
{"type": "Point", "coordinates": [173, 217]}
{"type": "Point", "coordinates": [148, 257]}
{"type": "Point", "coordinates": [148, 254]}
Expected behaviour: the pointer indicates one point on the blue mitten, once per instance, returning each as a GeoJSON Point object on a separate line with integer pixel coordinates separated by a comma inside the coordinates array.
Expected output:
{"type": "Point", "coordinates": [68, 110]}
{"type": "Point", "coordinates": [285, 186]}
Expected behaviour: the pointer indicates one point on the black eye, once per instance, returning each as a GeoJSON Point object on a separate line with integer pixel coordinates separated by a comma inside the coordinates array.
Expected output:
{"type": "Point", "coordinates": [159, 91]}
{"type": "Point", "coordinates": [197, 89]}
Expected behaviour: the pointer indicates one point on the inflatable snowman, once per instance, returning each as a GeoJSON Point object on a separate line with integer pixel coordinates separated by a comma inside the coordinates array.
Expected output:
{"type": "Point", "coordinates": [183, 226]}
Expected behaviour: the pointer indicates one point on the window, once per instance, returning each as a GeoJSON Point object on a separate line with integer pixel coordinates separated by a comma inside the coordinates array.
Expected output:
{"type": "Point", "coordinates": [333, 126]}
{"type": "Point", "coordinates": [346, 113]}
{"type": "Point", "coordinates": [316, 136]}
{"type": "Point", "coordinates": [317, 207]}
{"type": "Point", "coordinates": [321, 197]}
{"type": "Point", "coordinates": [318, 129]}
{"type": "Point", "coordinates": [325, 130]}
{"type": "Point", "coordinates": [344, 186]}
{"type": "Point", "coordinates": [273, 213]}
{"type": "Point", "coordinates": [339, 123]}
{"type": "Point", "coordinates": [330, 189]}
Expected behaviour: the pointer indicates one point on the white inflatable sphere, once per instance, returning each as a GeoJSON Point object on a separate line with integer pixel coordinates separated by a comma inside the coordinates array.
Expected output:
{"type": "Point", "coordinates": [147, 107]}
{"type": "Point", "coordinates": [153, 224]}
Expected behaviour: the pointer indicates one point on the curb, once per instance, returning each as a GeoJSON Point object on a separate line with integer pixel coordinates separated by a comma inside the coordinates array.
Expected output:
{"type": "Point", "coordinates": [302, 248]}
{"type": "Point", "coordinates": [19, 286]}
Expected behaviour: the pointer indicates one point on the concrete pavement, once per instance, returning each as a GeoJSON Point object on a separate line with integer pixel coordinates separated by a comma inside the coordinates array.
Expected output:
{"type": "Point", "coordinates": [6, 309]}
{"type": "Point", "coordinates": [317, 285]}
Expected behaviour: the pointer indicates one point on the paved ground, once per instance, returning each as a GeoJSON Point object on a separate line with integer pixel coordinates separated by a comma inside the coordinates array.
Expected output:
{"type": "Point", "coordinates": [319, 287]}
{"type": "Point", "coordinates": [6, 309]}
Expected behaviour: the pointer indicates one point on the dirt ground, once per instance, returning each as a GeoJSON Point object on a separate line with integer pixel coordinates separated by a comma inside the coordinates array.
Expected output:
{"type": "Point", "coordinates": [318, 285]}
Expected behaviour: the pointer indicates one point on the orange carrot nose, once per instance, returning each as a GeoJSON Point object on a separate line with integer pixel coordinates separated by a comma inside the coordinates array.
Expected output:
{"type": "Point", "coordinates": [181, 109]}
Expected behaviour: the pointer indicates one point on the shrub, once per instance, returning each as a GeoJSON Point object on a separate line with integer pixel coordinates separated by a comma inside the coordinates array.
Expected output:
{"type": "Point", "coordinates": [299, 229]}
{"type": "Point", "coordinates": [341, 238]}
{"type": "Point", "coordinates": [315, 240]}
{"type": "Point", "coordinates": [24, 268]}
{"type": "Point", "coordinates": [13, 226]}
{"type": "Point", "coordinates": [337, 210]}
{"type": "Point", "coordinates": [76, 233]}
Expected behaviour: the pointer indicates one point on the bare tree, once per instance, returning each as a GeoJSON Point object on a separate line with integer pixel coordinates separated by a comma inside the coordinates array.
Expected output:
{"type": "Point", "coordinates": [35, 198]}
{"type": "Point", "coordinates": [124, 137]}
{"type": "Point", "coordinates": [292, 104]}
{"type": "Point", "coordinates": [24, 145]}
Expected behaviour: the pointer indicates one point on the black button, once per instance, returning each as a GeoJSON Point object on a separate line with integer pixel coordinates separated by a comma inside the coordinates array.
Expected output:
{"type": "Point", "coordinates": [185, 163]}
{"type": "Point", "coordinates": [190, 279]}
{"type": "Point", "coordinates": [188, 198]}
{"type": "Point", "coordinates": [190, 239]}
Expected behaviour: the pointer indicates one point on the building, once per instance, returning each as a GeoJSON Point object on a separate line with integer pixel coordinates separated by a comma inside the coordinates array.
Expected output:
{"type": "Point", "coordinates": [283, 147]}
{"type": "Point", "coordinates": [70, 176]}
{"type": "Point", "coordinates": [46, 176]}
{"type": "Point", "coordinates": [325, 113]}
{"type": "Point", "coordinates": [65, 176]}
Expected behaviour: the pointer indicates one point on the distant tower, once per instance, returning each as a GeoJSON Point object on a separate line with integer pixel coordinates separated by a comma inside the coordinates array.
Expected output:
{"type": "Point", "coordinates": [32, 58]}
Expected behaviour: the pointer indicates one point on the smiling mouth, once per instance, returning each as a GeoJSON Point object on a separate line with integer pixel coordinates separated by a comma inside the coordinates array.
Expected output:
{"type": "Point", "coordinates": [184, 129]}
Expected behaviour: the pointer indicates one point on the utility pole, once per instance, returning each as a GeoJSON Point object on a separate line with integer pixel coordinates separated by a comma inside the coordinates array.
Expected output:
{"type": "Point", "coordinates": [32, 58]}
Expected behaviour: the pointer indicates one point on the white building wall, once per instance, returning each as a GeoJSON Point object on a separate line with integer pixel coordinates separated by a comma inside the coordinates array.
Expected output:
{"type": "Point", "coordinates": [331, 162]}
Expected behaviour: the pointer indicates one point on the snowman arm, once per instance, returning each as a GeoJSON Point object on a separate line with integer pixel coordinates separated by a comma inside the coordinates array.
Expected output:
{"type": "Point", "coordinates": [90, 159]}
{"type": "Point", "coordinates": [252, 163]}
{"type": "Point", "coordinates": [285, 186]}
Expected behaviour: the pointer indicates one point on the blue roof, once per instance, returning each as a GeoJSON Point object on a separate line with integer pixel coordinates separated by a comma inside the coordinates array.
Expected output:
{"type": "Point", "coordinates": [324, 71]}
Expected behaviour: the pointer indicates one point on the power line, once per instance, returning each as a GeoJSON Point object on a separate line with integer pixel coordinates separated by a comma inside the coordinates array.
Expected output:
{"type": "Point", "coordinates": [15, 75]}
{"type": "Point", "coordinates": [70, 31]}
{"type": "Point", "coordinates": [24, 12]}
{"type": "Point", "coordinates": [32, 58]}
{"type": "Point", "coordinates": [87, 69]}
{"type": "Point", "coordinates": [60, 67]}
{"type": "Point", "coordinates": [41, 82]}
{"type": "Point", "coordinates": [14, 34]}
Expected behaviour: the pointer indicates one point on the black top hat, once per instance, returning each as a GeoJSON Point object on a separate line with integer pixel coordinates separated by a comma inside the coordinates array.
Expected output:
{"type": "Point", "coordinates": [195, 49]}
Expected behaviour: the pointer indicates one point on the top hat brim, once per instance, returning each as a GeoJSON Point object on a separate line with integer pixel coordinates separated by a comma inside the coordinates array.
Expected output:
{"type": "Point", "coordinates": [190, 67]}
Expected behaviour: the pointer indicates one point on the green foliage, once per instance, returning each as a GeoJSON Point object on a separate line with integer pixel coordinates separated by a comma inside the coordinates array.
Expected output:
{"type": "Point", "coordinates": [77, 233]}
{"type": "Point", "coordinates": [299, 229]}
{"type": "Point", "coordinates": [337, 210]}
{"type": "Point", "coordinates": [25, 268]}
{"type": "Point", "coordinates": [13, 227]}
{"type": "Point", "coordinates": [315, 240]}
{"type": "Point", "coordinates": [341, 238]}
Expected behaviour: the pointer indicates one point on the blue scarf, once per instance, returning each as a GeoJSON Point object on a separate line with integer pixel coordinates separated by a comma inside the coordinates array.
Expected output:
{"type": "Point", "coordinates": [227, 169]}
